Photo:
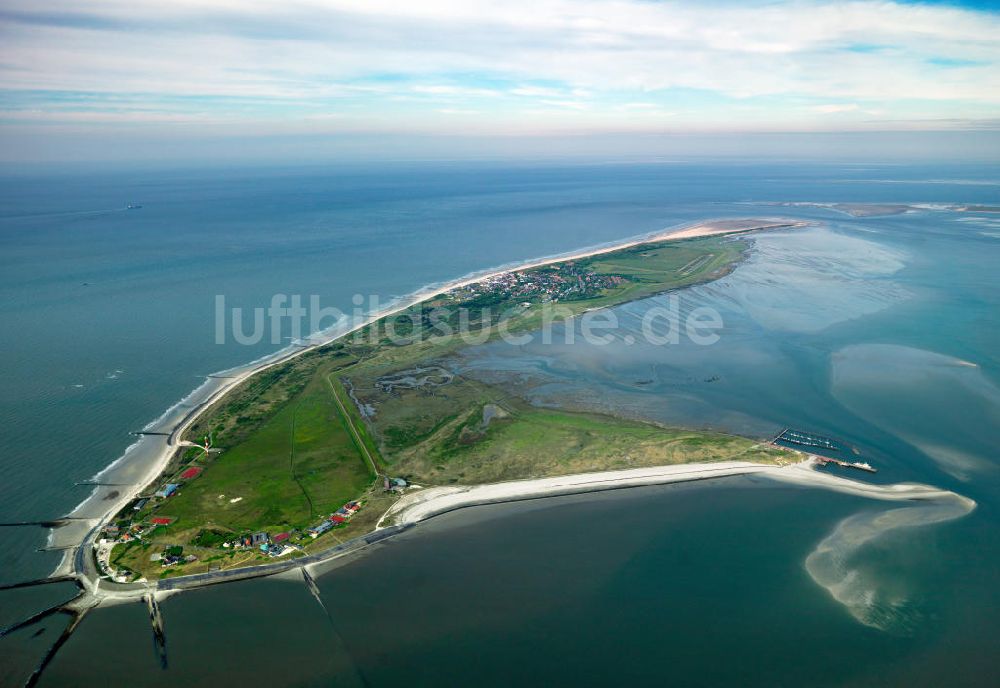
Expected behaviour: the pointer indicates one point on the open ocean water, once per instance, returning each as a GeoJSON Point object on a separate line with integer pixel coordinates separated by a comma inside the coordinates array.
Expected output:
{"type": "Point", "coordinates": [881, 331]}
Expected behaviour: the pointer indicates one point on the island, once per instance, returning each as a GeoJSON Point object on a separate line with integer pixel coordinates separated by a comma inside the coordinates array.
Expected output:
{"type": "Point", "coordinates": [314, 452]}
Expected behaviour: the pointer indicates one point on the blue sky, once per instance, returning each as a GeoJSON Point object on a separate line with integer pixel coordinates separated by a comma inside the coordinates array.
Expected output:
{"type": "Point", "coordinates": [76, 74]}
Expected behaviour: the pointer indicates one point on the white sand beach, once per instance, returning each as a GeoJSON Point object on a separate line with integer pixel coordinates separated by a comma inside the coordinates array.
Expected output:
{"type": "Point", "coordinates": [422, 504]}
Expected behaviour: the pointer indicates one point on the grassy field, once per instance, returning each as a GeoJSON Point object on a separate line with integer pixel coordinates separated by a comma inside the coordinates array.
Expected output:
{"type": "Point", "coordinates": [654, 269]}
{"type": "Point", "coordinates": [301, 463]}
{"type": "Point", "coordinates": [529, 442]}
{"type": "Point", "coordinates": [441, 436]}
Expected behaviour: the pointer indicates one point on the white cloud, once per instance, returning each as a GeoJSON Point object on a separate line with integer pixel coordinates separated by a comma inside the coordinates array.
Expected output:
{"type": "Point", "coordinates": [455, 91]}
{"type": "Point", "coordinates": [835, 108]}
{"type": "Point", "coordinates": [571, 104]}
{"type": "Point", "coordinates": [537, 92]}
{"type": "Point", "coordinates": [600, 56]}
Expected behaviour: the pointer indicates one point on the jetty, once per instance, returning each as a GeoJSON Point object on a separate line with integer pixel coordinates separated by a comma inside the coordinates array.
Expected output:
{"type": "Point", "coordinates": [860, 465]}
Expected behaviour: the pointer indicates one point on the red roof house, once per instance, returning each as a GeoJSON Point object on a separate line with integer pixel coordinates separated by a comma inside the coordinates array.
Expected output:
{"type": "Point", "coordinates": [191, 473]}
{"type": "Point", "coordinates": [337, 519]}
{"type": "Point", "coordinates": [280, 537]}
{"type": "Point", "coordinates": [163, 521]}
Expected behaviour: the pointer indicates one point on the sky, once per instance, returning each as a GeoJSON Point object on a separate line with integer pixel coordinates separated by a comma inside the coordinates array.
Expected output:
{"type": "Point", "coordinates": [116, 78]}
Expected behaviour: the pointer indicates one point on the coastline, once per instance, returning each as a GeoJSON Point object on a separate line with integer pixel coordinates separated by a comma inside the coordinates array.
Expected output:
{"type": "Point", "coordinates": [926, 504]}
{"type": "Point", "coordinates": [75, 536]}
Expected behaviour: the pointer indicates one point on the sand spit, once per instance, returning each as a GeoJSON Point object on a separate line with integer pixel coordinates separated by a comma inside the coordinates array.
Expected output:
{"type": "Point", "coordinates": [870, 599]}
{"type": "Point", "coordinates": [422, 504]}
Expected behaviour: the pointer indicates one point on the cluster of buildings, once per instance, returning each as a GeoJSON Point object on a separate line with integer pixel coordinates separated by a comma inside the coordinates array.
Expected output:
{"type": "Point", "coordinates": [337, 518]}
{"type": "Point", "coordinates": [173, 556]}
{"type": "Point", "coordinates": [557, 282]}
{"type": "Point", "coordinates": [271, 546]}
{"type": "Point", "coordinates": [133, 531]}
{"type": "Point", "coordinates": [138, 521]}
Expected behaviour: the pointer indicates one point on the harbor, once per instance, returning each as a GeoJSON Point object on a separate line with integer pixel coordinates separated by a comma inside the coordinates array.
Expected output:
{"type": "Point", "coordinates": [797, 438]}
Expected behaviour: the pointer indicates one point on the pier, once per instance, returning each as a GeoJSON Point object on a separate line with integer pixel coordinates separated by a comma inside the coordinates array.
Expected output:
{"type": "Point", "coordinates": [860, 465]}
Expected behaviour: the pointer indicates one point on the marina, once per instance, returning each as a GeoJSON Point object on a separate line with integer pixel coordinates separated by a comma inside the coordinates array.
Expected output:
{"type": "Point", "coordinates": [788, 436]}
{"type": "Point", "coordinates": [806, 439]}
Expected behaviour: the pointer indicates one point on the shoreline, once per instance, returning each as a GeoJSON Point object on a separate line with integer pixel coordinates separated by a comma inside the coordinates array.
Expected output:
{"type": "Point", "coordinates": [72, 562]}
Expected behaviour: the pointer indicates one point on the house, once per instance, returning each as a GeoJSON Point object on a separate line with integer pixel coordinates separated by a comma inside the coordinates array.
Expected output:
{"type": "Point", "coordinates": [168, 489]}
{"type": "Point", "coordinates": [258, 539]}
{"type": "Point", "coordinates": [318, 530]}
{"type": "Point", "coordinates": [139, 503]}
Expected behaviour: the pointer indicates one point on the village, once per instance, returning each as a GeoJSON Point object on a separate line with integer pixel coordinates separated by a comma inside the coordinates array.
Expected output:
{"type": "Point", "coordinates": [143, 520]}
{"type": "Point", "coordinates": [559, 282]}
{"type": "Point", "coordinates": [140, 531]}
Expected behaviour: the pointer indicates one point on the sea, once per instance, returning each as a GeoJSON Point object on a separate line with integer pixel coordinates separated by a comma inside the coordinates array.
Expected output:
{"type": "Point", "coordinates": [881, 331]}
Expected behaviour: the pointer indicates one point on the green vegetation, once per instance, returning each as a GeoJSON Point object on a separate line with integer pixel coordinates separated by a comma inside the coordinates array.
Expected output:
{"type": "Point", "coordinates": [286, 469]}
{"type": "Point", "coordinates": [295, 444]}
{"type": "Point", "coordinates": [530, 442]}
{"type": "Point", "coordinates": [300, 464]}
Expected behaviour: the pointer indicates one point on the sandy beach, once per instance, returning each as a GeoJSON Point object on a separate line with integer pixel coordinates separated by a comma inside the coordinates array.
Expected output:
{"type": "Point", "coordinates": [422, 504]}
